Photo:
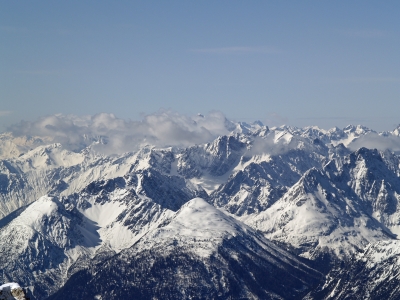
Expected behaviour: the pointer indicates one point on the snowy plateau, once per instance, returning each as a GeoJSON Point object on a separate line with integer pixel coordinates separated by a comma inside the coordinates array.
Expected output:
{"type": "Point", "coordinates": [255, 213]}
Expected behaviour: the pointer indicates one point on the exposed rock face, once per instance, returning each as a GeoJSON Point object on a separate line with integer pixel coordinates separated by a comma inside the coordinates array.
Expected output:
{"type": "Point", "coordinates": [12, 291]}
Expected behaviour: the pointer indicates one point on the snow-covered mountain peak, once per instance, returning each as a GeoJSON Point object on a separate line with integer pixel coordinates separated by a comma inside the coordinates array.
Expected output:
{"type": "Point", "coordinates": [198, 216]}
{"type": "Point", "coordinates": [307, 183]}
{"type": "Point", "coordinates": [314, 132]}
{"type": "Point", "coordinates": [46, 217]}
{"type": "Point", "coordinates": [197, 224]}
{"type": "Point", "coordinates": [396, 131]}
{"type": "Point", "coordinates": [367, 154]}
{"type": "Point", "coordinates": [256, 128]}
{"type": "Point", "coordinates": [357, 129]}
{"type": "Point", "coordinates": [45, 206]}
{"type": "Point", "coordinates": [50, 156]}
{"type": "Point", "coordinates": [258, 123]}
{"type": "Point", "coordinates": [334, 129]}
{"type": "Point", "coordinates": [315, 217]}
{"type": "Point", "coordinates": [312, 173]}
{"type": "Point", "coordinates": [285, 127]}
{"type": "Point", "coordinates": [242, 128]}
{"type": "Point", "coordinates": [13, 146]}
{"type": "Point", "coordinates": [363, 161]}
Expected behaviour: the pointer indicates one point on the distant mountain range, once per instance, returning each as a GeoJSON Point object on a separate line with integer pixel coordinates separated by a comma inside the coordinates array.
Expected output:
{"type": "Point", "coordinates": [256, 213]}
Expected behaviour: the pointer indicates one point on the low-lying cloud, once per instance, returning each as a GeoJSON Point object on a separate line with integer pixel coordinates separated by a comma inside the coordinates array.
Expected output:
{"type": "Point", "coordinates": [115, 135]}
{"type": "Point", "coordinates": [269, 145]}
{"type": "Point", "coordinates": [376, 141]}
{"type": "Point", "coordinates": [111, 135]}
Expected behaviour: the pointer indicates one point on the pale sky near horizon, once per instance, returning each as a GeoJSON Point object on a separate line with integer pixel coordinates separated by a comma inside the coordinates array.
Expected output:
{"type": "Point", "coordinates": [282, 62]}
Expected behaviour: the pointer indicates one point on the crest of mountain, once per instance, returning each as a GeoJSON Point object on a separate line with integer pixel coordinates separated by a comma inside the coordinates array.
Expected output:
{"type": "Point", "coordinates": [396, 131]}
{"type": "Point", "coordinates": [213, 159]}
{"type": "Point", "coordinates": [256, 128]}
{"type": "Point", "coordinates": [259, 181]}
{"type": "Point", "coordinates": [373, 177]}
{"type": "Point", "coordinates": [52, 169]}
{"type": "Point", "coordinates": [14, 146]}
{"type": "Point", "coordinates": [43, 169]}
{"type": "Point", "coordinates": [199, 252]}
{"type": "Point", "coordinates": [315, 218]}
{"type": "Point", "coordinates": [39, 242]}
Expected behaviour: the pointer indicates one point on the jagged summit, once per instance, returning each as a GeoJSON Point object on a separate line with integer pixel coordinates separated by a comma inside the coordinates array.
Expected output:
{"type": "Point", "coordinates": [396, 131]}
{"type": "Point", "coordinates": [198, 225]}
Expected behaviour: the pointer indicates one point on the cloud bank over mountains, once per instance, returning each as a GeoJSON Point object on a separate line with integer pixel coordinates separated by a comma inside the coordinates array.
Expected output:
{"type": "Point", "coordinates": [109, 134]}
{"type": "Point", "coordinates": [374, 140]}
{"type": "Point", "coordinates": [116, 135]}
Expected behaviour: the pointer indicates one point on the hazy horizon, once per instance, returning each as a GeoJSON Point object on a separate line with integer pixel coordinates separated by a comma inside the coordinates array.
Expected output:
{"type": "Point", "coordinates": [297, 63]}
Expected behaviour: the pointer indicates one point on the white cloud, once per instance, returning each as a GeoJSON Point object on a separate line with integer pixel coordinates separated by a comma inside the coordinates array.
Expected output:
{"type": "Point", "coordinates": [376, 141]}
{"type": "Point", "coordinates": [161, 129]}
{"type": "Point", "coordinates": [268, 145]}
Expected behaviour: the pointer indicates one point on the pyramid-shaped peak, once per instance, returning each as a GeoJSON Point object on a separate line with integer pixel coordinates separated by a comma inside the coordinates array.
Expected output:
{"type": "Point", "coordinates": [198, 215]}
{"type": "Point", "coordinates": [396, 131]}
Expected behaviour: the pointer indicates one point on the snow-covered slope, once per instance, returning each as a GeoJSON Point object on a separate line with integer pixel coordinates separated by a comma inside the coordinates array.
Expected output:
{"type": "Point", "coordinates": [260, 180]}
{"type": "Point", "coordinates": [199, 252]}
{"type": "Point", "coordinates": [53, 170]}
{"type": "Point", "coordinates": [373, 274]}
{"type": "Point", "coordinates": [316, 218]}
{"type": "Point", "coordinates": [40, 242]}
{"type": "Point", "coordinates": [14, 146]}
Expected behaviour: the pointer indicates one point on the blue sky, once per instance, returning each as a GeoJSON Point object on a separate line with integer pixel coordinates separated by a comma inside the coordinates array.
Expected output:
{"type": "Point", "coordinates": [282, 62]}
